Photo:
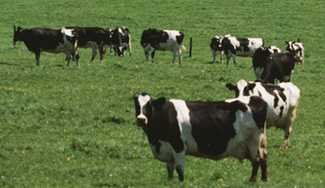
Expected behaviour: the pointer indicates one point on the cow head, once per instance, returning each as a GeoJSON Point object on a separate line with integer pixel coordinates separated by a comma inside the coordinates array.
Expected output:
{"type": "Point", "coordinates": [17, 35]}
{"type": "Point", "coordinates": [297, 49]}
{"type": "Point", "coordinates": [145, 106]}
{"type": "Point", "coordinates": [120, 39]}
{"type": "Point", "coordinates": [242, 88]}
{"type": "Point", "coordinates": [216, 43]}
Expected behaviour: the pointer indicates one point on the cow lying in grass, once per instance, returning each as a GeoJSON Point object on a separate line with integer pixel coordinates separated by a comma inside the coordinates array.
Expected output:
{"type": "Point", "coordinates": [213, 130]}
{"type": "Point", "coordinates": [282, 101]}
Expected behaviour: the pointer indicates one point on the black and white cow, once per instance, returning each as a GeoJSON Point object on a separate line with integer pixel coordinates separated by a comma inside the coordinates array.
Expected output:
{"type": "Point", "coordinates": [213, 130]}
{"type": "Point", "coordinates": [163, 40]}
{"type": "Point", "coordinates": [277, 66]}
{"type": "Point", "coordinates": [47, 40]}
{"type": "Point", "coordinates": [260, 57]}
{"type": "Point", "coordinates": [215, 46]}
{"type": "Point", "coordinates": [121, 40]}
{"type": "Point", "coordinates": [297, 48]}
{"type": "Point", "coordinates": [245, 47]}
{"type": "Point", "coordinates": [95, 38]}
{"type": "Point", "coordinates": [282, 100]}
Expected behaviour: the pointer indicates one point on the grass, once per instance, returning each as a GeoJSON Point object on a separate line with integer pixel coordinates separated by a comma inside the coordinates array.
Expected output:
{"type": "Point", "coordinates": [74, 127]}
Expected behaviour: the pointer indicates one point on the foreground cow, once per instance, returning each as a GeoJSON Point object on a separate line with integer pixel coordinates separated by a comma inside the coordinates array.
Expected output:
{"type": "Point", "coordinates": [164, 40]}
{"type": "Point", "coordinates": [95, 38]}
{"type": "Point", "coordinates": [121, 40]}
{"type": "Point", "coordinates": [213, 130]}
{"type": "Point", "coordinates": [245, 47]}
{"type": "Point", "coordinates": [282, 100]}
{"type": "Point", "coordinates": [297, 48]}
{"type": "Point", "coordinates": [215, 46]}
{"type": "Point", "coordinates": [260, 57]}
{"type": "Point", "coordinates": [47, 40]}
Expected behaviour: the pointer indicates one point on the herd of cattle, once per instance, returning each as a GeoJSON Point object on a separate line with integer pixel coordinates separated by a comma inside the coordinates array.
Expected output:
{"type": "Point", "coordinates": [233, 127]}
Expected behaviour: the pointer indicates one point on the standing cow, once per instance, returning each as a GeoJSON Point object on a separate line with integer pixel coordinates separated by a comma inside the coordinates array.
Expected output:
{"type": "Point", "coordinates": [95, 38]}
{"type": "Point", "coordinates": [215, 46]}
{"type": "Point", "coordinates": [163, 40]}
{"type": "Point", "coordinates": [282, 100]}
{"type": "Point", "coordinates": [213, 130]}
{"type": "Point", "coordinates": [297, 48]}
{"type": "Point", "coordinates": [260, 57]}
{"type": "Point", "coordinates": [47, 40]}
{"type": "Point", "coordinates": [121, 40]}
{"type": "Point", "coordinates": [245, 47]}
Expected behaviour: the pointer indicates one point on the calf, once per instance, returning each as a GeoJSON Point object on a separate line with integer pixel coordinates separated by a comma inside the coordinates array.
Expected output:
{"type": "Point", "coordinates": [297, 48]}
{"type": "Point", "coordinates": [213, 130]}
{"type": "Point", "coordinates": [47, 40]}
{"type": "Point", "coordinates": [215, 46]}
{"type": "Point", "coordinates": [92, 37]}
{"type": "Point", "coordinates": [121, 40]}
{"type": "Point", "coordinates": [155, 39]}
{"type": "Point", "coordinates": [282, 101]}
{"type": "Point", "coordinates": [244, 47]}
{"type": "Point", "coordinates": [260, 57]}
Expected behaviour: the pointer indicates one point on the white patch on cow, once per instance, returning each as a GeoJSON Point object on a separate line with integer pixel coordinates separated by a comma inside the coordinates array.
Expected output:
{"type": "Point", "coordinates": [185, 127]}
{"type": "Point", "coordinates": [143, 100]}
{"type": "Point", "coordinates": [274, 49]}
{"type": "Point", "coordinates": [68, 32]}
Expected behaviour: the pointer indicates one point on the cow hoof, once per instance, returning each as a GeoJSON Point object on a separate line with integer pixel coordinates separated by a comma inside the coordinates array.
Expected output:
{"type": "Point", "coordinates": [264, 179]}
{"type": "Point", "coordinates": [252, 179]}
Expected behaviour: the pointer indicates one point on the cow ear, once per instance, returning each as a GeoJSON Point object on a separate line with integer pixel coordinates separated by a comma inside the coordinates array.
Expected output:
{"type": "Point", "coordinates": [231, 87]}
{"type": "Point", "coordinates": [158, 103]}
{"type": "Point", "coordinates": [287, 42]}
{"type": "Point", "coordinates": [14, 28]}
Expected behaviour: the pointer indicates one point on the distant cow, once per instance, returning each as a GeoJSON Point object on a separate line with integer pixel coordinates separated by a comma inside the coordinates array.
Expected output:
{"type": "Point", "coordinates": [121, 40]}
{"type": "Point", "coordinates": [282, 100]}
{"type": "Point", "coordinates": [214, 130]}
{"type": "Point", "coordinates": [260, 57]}
{"type": "Point", "coordinates": [92, 37]}
{"type": "Point", "coordinates": [47, 40]}
{"type": "Point", "coordinates": [215, 46]}
{"type": "Point", "coordinates": [297, 48]}
{"type": "Point", "coordinates": [245, 47]}
{"type": "Point", "coordinates": [277, 66]}
{"type": "Point", "coordinates": [164, 40]}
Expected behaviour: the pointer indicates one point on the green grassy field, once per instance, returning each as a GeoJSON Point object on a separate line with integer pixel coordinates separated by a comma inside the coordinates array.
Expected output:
{"type": "Point", "coordinates": [75, 127]}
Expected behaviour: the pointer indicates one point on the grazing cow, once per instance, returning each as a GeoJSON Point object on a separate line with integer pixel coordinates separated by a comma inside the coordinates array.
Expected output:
{"type": "Point", "coordinates": [121, 40]}
{"type": "Point", "coordinates": [92, 37]}
{"type": "Point", "coordinates": [282, 101]}
{"type": "Point", "coordinates": [156, 39]}
{"type": "Point", "coordinates": [215, 46]}
{"type": "Point", "coordinates": [278, 66]}
{"type": "Point", "coordinates": [297, 48]}
{"type": "Point", "coordinates": [245, 47]}
{"type": "Point", "coordinates": [213, 130]}
{"type": "Point", "coordinates": [47, 40]}
{"type": "Point", "coordinates": [261, 56]}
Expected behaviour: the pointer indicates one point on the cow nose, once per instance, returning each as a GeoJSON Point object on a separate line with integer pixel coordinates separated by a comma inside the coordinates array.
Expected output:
{"type": "Point", "coordinates": [142, 120]}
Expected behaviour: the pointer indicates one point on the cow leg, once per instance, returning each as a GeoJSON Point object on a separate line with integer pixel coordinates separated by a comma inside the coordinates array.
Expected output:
{"type": "Point", "coordinates": [179, 54]}
{"type": "Point", "coordinates": [170, 169]}
{"type": "Point", "coordinates": [228, 56]}
{"type": "Point", "coordinates": [179, 163]}
{"type": "Point", "coordinates": [288, 127]}
{"type": "Point", "coordinates": [93, 53]}
{"type": "Point", "coordinates": [263, 155]}
{"type": "Point", "coordinates": [214, 54]}
{"type": "Point", "coordinates": [233, 58]}
{"type": "Point", "coordinates": [102, 52]}
{"type": "Point", "coordinates": [255, 166]}
{"type": "Point", "coordinates": [37, 56]}
{"type": "Point", "coordinates": [174, 57]}
{"type": "Point", "coordinates": [146, 54]}
{"type": "Point", "coordinates": [153, 55]}
{"type": "Point", "coordinates": [221, 55]}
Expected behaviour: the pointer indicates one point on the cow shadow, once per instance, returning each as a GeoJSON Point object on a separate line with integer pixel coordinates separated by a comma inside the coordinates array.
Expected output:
{"type": "Point", "coordinates": [9, 64]}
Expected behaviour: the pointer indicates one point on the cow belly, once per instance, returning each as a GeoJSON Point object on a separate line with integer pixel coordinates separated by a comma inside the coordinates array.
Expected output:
{"type": "Point", "coordinates": [59, 49]}
{"type": "Point", "coordinates": [164, 152]}
{"type": "Point", "coordinates": [244, 53]}
{"type": "Point", "coordinates": [167, 46]}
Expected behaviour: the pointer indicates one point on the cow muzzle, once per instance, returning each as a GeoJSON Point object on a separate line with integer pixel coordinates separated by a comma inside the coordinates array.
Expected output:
{"type": "Point", "coordinates": [142, 120]}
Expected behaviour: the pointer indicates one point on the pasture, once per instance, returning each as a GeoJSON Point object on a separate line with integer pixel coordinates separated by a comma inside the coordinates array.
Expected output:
{"type": "Point", "coordinates": [75, 127]}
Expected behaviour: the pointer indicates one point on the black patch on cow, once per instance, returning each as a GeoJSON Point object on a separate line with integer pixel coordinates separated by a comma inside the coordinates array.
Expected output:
{"type": "Point", "coordinates": [276, 101]}
{"type": "Point", "coordinates": [259, 94]}
{"type": "Point", "coordinates": [234, 88]}
{"type": "Point", "coordinates": [248, 88]}
{"type": "Point", "coordinates": [281, 111]}
{"type": "Point", "coordinates": [212, 124]}
{"type": "Point", "coordinates": [179, 38]}
{"type": "Point", "coordinates": [244, 43]}
{"type": "Point", "coordinates": [259, 109]}
{"type": "Point", "coordinates": [215, 44]}
{"type": "Point", "coordinates": [153, 37]}
{"type": "Point", "coordinates": [260, 57]}
{"type": "Point", "coordinates": [283, 97]}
